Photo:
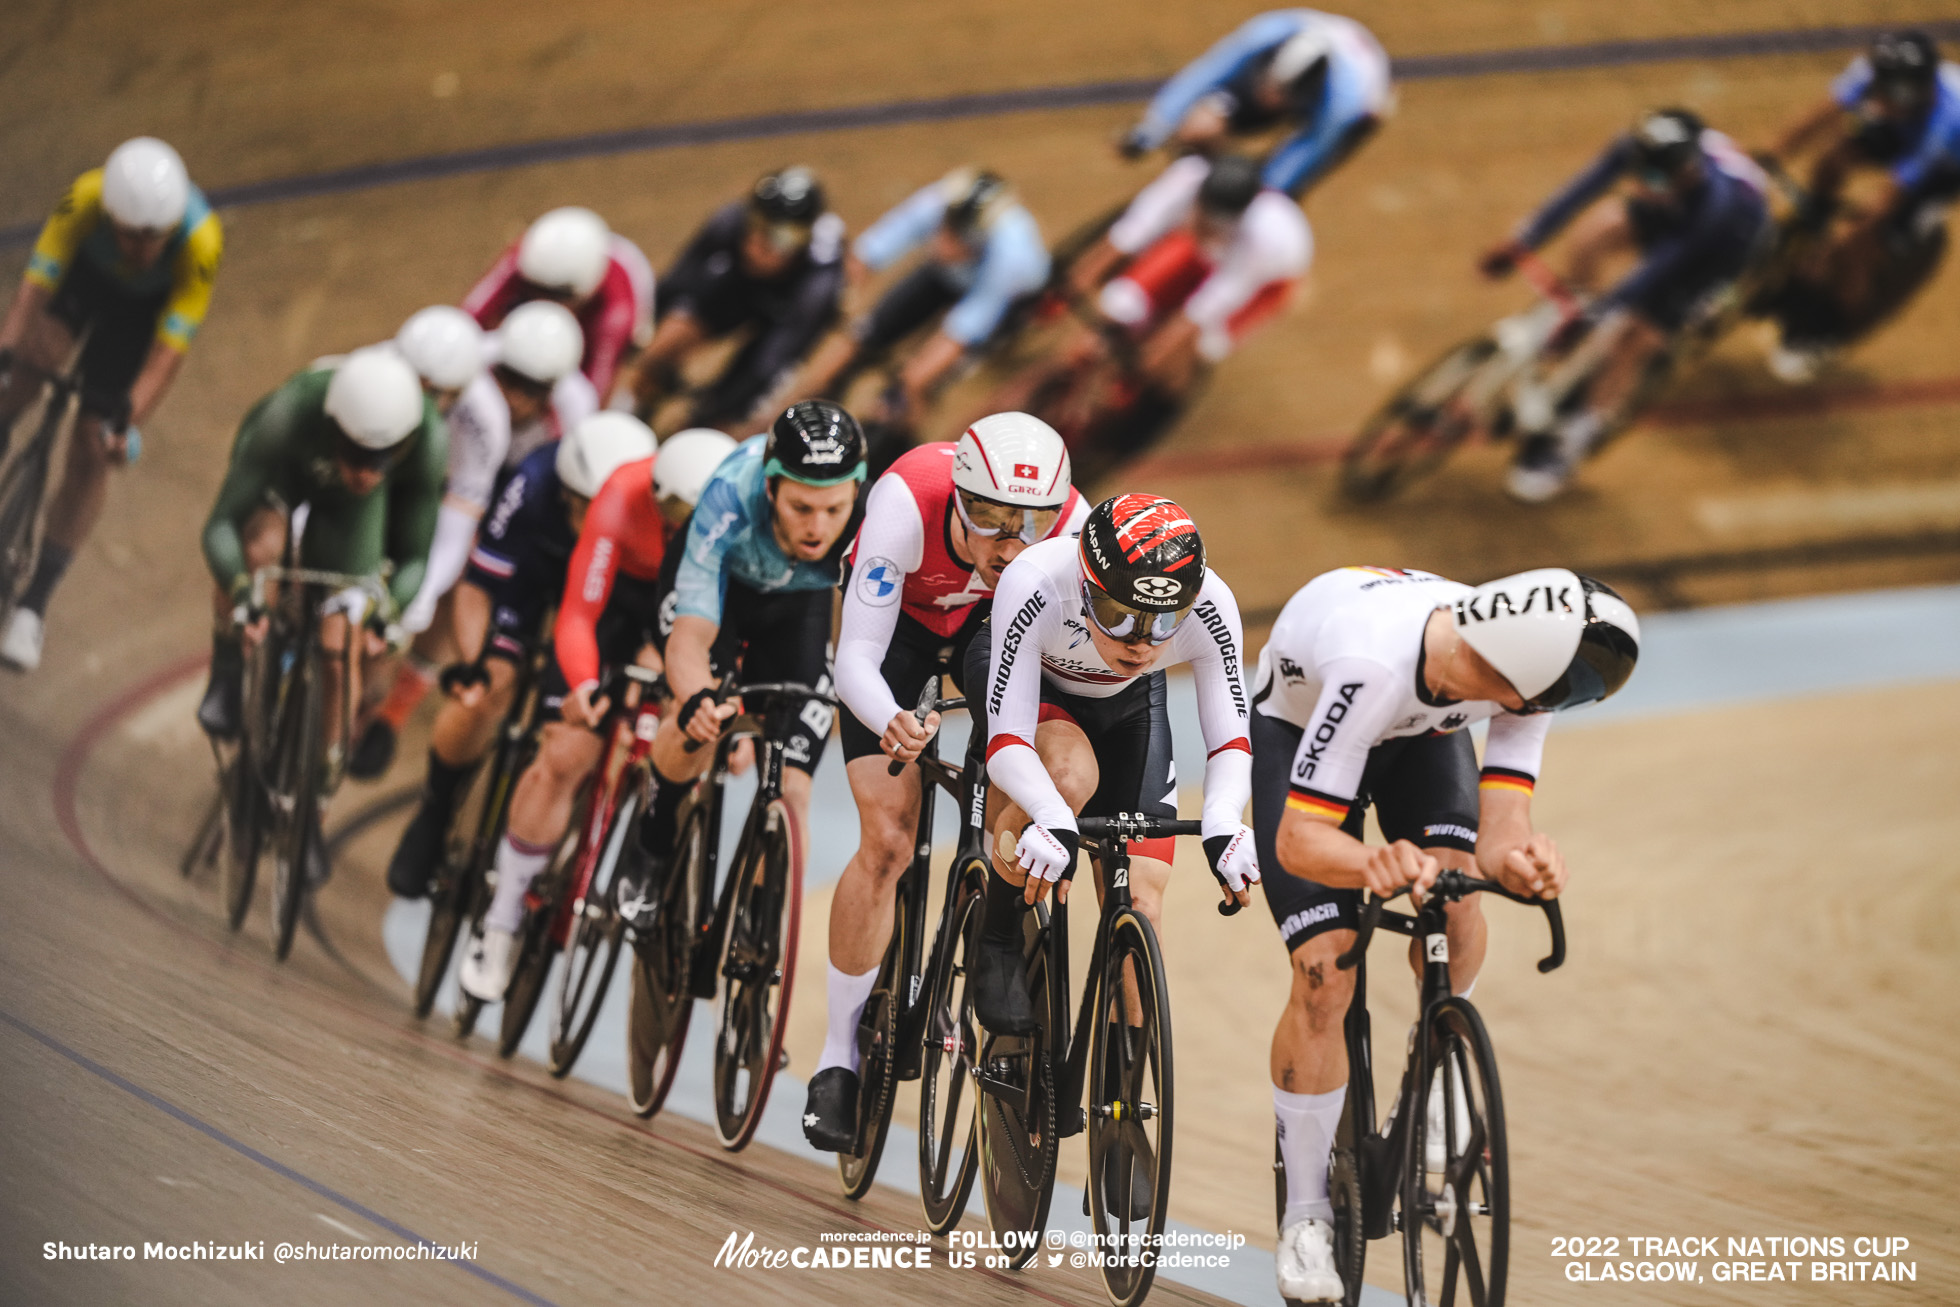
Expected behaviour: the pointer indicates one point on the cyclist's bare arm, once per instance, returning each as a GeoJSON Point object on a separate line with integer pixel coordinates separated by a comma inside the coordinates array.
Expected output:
{"type": "Point", "coordinates": [1317, 849]}
{"type": "Point", "coordinates": [159, 370]}
{"type": "Point", "coordinates": [29, 302]}
{"type": "Point", "coordinates": [1510, 851]}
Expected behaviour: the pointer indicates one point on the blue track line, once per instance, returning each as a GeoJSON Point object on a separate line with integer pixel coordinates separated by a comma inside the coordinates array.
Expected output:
{"type": "Point", "coordinates": [986, 104]}
{"type": "Point", "coordinates": [170, 1109]}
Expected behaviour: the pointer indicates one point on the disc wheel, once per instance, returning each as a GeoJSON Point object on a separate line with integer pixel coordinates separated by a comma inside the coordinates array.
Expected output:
{"type": "Point", "coordinates": [1017, 1113]}
{"type": "Point", "coordinates": [948, 1158]}
{"type": "Point", "coordinates": [758, 961]}
{"type": "Point", "coordinates": [1456, 1211]}
{"type": "Point", "coordinates": [661, 1002]}
{"type": "Point", "coordinates": [1130, 1107]}
{"type": "Point", "coordinates": [877, 1039]}
{"type": "Point", "coordinates": [1419, 427]}
{"type": "Point", "coordinates": [592, 948]}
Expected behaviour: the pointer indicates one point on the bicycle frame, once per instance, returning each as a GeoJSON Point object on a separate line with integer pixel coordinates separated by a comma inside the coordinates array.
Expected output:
{"type": "Point", "coordinates": [310, 581]}
{"type": "Point", "coordinates": [22, 487]}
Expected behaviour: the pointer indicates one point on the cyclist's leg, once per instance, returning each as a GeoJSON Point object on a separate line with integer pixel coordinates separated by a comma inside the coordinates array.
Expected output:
{"type": "Point", "coordinates": [1601, 236]}
{"type": "Point", "coordinates": [1426, 793]}
{"type": "Point", "coordinates": [345, 535]}
{"type": "Point", "coordinates": [787, 638]}
{"type": "Point", "coordinates": [221, 711]}
{"type": "Point", "coordinates": [46, 342]}
{"type": "Point", "coordinates": [1135, 773]}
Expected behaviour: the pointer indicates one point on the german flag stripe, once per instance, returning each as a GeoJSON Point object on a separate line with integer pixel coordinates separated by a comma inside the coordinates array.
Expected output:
{"type": "Point", "coordinates": [1316, 805]}
{"type": "Point", "coordinates": [1503, 778]}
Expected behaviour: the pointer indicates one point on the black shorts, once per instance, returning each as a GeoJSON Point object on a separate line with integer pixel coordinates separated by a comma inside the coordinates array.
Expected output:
{"type": "Point", "coordinates": [914, 655]}
{"type": "Point", "coordinates": [1130, 733]}
{"type": "Point", "coordinates": [911, 302]}
{"type": "Point", "coordinates": [1423, 788]}
{"type": "Point", "coordinates": [783, 636]}
{"type": "Point", "coordinates": [624, 626]}
{"type": "Point", "coordinates": [121, 328]}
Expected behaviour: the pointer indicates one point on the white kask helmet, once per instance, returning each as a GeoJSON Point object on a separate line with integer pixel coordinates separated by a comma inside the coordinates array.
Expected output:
{"type": "Point", "coordinates": [144, 185]}
{"type": "Point", "coordinates": [566, 250]}
{"type": "Point", "coordinates": [375, 398]}
{"type": "Point", "coordinates": [1559, 638]}
{"type": "Point", "coordinates": [540, 341]}
{"type": "Point", "coordinates": [686, 460]}
{"type": "Point", "coordinates": [599, 446]}
{"type": "Point", "coordinates": [444, 346]}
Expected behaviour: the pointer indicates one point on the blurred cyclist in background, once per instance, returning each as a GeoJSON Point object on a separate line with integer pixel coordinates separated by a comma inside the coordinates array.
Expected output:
{"type": "Point", "coordinates": [128, 260]}
{"type": "Point", "coordinates": [983, 255]}
{"type": "Point", "coordinates": [1895, 109]}
{"type": "Point", "coordinates": [1696, 217]}
{"type": "Point", "coordinates": [770, 266]}
{"type": "Point", "coordinates": [569, 255]}
{"type": "Point", "coordinates": [1323, 76]}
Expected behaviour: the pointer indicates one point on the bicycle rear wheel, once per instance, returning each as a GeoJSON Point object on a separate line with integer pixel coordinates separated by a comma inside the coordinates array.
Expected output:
{"type": "Point", "coordinates": [1130, 1107]}
{"type": "Point", "coordinates": [877, 1038]}
{"type": "Point", "coordinates": [453, 897]}
{"type": "Point", "coordinates": [299, 785]}
{"type": "Point", "coordinates": [592, 949]}
{"type": "Point", "coordinates": [758, 965]}
{"type": "Point", "coordinates": [1017, 1112]}
{"type": "Point", "coordinates": [1410, 436]}
{"type": "Point", "coordinates": [662, 999]}
{"type": "Point", "coordinates": [21, 490]}
{"type": "Point", "coordinates": [948, 1158]}
{"type": "Point", "coordinates": [1456, 1206]}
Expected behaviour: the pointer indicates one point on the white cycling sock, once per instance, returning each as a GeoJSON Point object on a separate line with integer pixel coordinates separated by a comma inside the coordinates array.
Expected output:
{"type": "Point", "coordinates": [848, 995]}
{"type": "Point", "coordinates": [1468, 989]}
{"type": "Point", "coordinates": [518, 864]}
{"type": "Point", "coordinates": [1307, 1123]}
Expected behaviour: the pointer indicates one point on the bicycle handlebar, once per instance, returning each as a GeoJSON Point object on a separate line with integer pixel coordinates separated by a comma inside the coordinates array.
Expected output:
{"type": "Point", "coordinates": [730, 689]}
{"type": "Point", "coordinates": [1451, 886]}
{"type": "Point", "coordinates": [1128, 827]}
{"type": "Point", "coordinates": [928, 700]}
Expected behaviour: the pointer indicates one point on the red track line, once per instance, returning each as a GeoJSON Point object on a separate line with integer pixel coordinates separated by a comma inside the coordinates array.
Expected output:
{"type": "Point", "coordinates": [67, 779]}
{"type": "Point", "coordinates": [1232, 460]}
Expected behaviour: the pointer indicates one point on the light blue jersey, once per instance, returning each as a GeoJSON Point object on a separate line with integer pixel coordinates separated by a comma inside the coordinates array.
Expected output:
{"type": "Point", "coordinates": [733, 537]}
{"type": "Point", "coordinates": [1938, 145]}
{"type": "Point", "coordinates": [1012, 264]}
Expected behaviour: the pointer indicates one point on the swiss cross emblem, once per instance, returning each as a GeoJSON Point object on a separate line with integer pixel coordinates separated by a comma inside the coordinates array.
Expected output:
{"type": "Point", "coordinates": [1026, 471]}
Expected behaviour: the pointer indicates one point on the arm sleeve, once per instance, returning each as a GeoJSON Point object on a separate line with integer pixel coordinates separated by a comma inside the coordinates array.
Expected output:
{"type": "Point", "coordinates": [191, 283]}
{"type": "Point", "coordinates": [1212, 69]}
{"type": "Point", "coordinates": [902, 229]}
{"type": "Point", "coordinates": [248, 479]}
{"type": "Point", "coordinates": [414, 502]}
{"type": "Point", "coordinates": [573, 400]}
{"type": "Point", "coordinates": [892, 543]}
{"type": "Point", "coordinates": [612, 333]}
{"type": "Point", "coordinates": [1356, 705]}
{"type": "Point", "coordinates": [684, 278]}
{"type": "Point", "coordinates": [455, 530]}
{"type": "Point", "coordinates": [1849, 86]}
{"type": "Point", "coordinates": [490, 299]}
{"type": "Point", "coordinates": [718, 520]}
{"type": "Point", "coordinates": [74, 217]}
{"type": "Point", "coordinates": [1024, 616]}
{"type": "Point", "coordinates": [1016, 264]}
{"type": "Point", "coordinates": [1160, 206]}
{"type": "Point", "coordinates": [1218, 667]}
{"type": "Point", "coordinates": [1514, 751]}
{"type": "Point", "coordinates": [1577, 194]}
{"type": "Point", "coordinates": [588, 584]}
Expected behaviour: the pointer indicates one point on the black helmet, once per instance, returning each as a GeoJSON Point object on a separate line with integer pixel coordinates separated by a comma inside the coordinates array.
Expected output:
{"type": "Point", "coordinates": [1667, 140]}
{"type": "Point", "coordinates": [1231, 185]}
{"type": "Point", "coordinates": [817, 443]}
{"type": "Point", "coordinates": [1142, 566]}
{"type": "Point", "coordinates": [792, 195]}
{"type": "Point", "coordinates": [974, 197]}
{"type": "Point", "coordinates": [1905, 60]}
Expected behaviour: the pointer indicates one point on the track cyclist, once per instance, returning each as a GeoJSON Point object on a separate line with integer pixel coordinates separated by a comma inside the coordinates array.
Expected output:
{"type": "Point", "coordinates": [771, 265]}
{"type": "Point", "coordinates": [360, 449]}
{"type": "Point", "coordinates": [1072, 708]}
{"type": "Point", "coordinates": [603, 474]}
{"type": "Point", "coordinates": [983, 256]}
{"type": "Point", "coordinates": [571, 257]}
{"type": "Point", "coordinates": [129, 258]}
{"type": "Point", "coordinates": [1896, 108]}
{"type": "Point", "coordinates": [528, 390]}
{"type": "Point", "coordinates": [749, 590]}
{"type": "Point", "coordinates": [1697, 218]}
{"type": "Point", "coordinates": [1323, 76]}
{"type": "Point", "coordinates": [1363, 695]}
{"type": "Point", "coordinates": [939, 529]}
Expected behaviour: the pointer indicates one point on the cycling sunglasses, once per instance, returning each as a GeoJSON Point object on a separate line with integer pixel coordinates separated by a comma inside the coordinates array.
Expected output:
{"type": "Point", "coordinates": [1119, 621]}
{"type": "Point", "coordinates": [989, 519]}
{"type": "Point", "coordinates": [782, 237]}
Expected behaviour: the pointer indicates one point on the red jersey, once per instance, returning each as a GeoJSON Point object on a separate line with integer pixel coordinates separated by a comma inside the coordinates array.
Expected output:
{"type": "Point", "coordinates": [618, 314]}
{"type": "Point", "coordinates": [624, 532]}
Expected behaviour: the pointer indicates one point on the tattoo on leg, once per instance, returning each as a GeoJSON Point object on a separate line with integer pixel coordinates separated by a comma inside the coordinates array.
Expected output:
{"type": "Point", "coordinates": [1315, 976]}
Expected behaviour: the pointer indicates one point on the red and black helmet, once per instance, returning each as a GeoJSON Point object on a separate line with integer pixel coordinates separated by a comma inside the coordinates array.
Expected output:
{"type": "Point", "coordinates": [1142, 553]}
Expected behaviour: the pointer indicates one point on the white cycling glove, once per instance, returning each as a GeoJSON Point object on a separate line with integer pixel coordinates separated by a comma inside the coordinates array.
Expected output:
{"type": "Point", "coordinates": [1234, 859]}
{"type": "Point", "coordinates": [1046, 854]}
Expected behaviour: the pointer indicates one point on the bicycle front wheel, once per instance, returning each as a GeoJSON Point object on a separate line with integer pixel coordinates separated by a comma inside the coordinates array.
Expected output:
{"type": "Point", "coordinates": [877, 1036]}
{"type": "Point", "coordinates": [662, 999]}
{"type": "Point", "coordinates": [1130, 1107]}
{"type": "Point", "coordinates": [299, 783]}
{"type": "Point", "coordinates": [947, 1156]}
{"type": "Point", "coordinates": [1419, 427]}
{"type": "Point", "coordinates": [758, 963]}
{"type": "Point", "coordinates": [542, 934]}
{"type": "Point", "coordinates": [245, 822]}
{"type": "Point", "coordinates": [592, 949]}
{"type": "Point", "coordinates": [1018, 1110]}
{"type": "Point", "coordinates": [1456, 1201]}
{"type": "Point", "coordinates": [458, 886]}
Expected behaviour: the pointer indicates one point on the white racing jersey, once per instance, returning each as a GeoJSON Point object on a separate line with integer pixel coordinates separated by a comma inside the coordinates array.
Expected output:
{"type": "Point", "coordinates": [1344, 664]}
{"type": "Point", "coordinates": [1041, 632]}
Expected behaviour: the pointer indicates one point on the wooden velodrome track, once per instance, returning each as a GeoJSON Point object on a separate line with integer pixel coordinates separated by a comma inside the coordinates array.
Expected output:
{"type": "Point", "coordinates": [1751, 1038]}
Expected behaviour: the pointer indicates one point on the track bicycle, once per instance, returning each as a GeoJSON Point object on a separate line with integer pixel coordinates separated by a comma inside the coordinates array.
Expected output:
{"type": "Point", "coordinates": [1436, 1170]}
{"type": "Point", "coordinates": [23, 487]}
{"type": "Point", "coordinates": [737, 947]}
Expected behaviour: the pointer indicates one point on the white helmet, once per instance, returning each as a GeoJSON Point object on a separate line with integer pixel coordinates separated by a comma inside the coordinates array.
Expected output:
{"type": "Point", "coordinates": [444, 346]}
{"type": "Point", "coordinates": [599, 446]}
{"type": "Point", "coordinates": [1559, 638]}
{"type": "Point", "coordinates": [1297, 56]}
{"type": "Point", "coordinates": [144, 185]}
{"type": "Point", "coordinates": [375, 398]}
{"type": "Point", "coordinates": [568, 249]}
{"type": "Point", "coordinates": [1013, 458]}
{"type": "Point", "coordinates": [686, 460]}
{"type": "Point", "coordinates": [540, 341]}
